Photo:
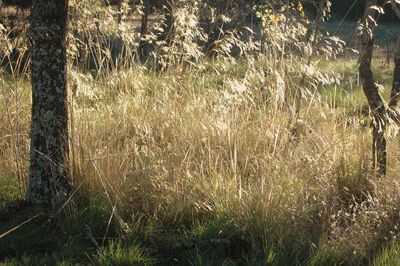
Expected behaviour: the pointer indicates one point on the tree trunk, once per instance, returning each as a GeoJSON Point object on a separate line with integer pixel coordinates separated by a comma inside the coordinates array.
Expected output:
{"type": "Point", "coordinates": [143, 45]}
{"type": "Point", "coordinates": [48, 176]}
{"type": "Point", "coordinates": [217, 30]}
{"type": "Point", "coordinates": [322, 10]}
{"type": "Point", "coordinates": [132, 3]}
{"type": "Point", "coordinates": [119, 17]}
{"type": "Point", "coordinates": [394, 96]}
{"type": "Point", "coordinates": [375, 101]}
{"type": "Point", "coordinates": [169, 21]}
{"type": "Point", "coordinates": [145, 17]}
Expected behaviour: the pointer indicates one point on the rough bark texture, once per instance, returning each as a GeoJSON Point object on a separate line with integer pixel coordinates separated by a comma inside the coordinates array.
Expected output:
{"type": "Point", "coordinates": [375, 101]}
{"type": "Point", "coordinates": [48, 183]}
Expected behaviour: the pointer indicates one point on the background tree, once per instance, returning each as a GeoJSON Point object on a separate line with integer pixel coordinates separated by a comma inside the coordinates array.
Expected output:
{"type": "Point", "coordinates": [375, 101]}
{"type": "Point", "coordinates": [48, 183]}
{"type": "Point", "coordinates": [168, 27]}
{"type": "Point", "coordinates": [219, 17]}
{"type": "Point", "coordinates": [143, 45]}
{"type": "Point", "coordinates": [394, 97]}
{"type": "Point", "coordinates": [150, 39]}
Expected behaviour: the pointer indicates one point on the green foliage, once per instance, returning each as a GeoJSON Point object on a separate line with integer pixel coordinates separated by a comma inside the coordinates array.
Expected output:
{"type": "Point", "coordinates": [390, 255]}
{"type": "Point", "coordinates": [117, 254]}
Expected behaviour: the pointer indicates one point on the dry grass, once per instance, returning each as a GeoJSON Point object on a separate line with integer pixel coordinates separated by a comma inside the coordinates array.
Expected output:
{"type": "Point", "coordinates": [187, 148]}
{"type": "Point", "coordinates": [217, 148]}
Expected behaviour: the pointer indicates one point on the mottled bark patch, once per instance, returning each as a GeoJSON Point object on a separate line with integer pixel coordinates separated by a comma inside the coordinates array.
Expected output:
{"type": "Point", "coordinates": [48, 176]}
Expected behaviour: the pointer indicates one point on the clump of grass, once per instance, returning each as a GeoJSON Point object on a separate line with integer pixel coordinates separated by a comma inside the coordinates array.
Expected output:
{"type": "Point", "coordinates": [389, 255]}
{"type": "Point", "coordinates": [117, 254]}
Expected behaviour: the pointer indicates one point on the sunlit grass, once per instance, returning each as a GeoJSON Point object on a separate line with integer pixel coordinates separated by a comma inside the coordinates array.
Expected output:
{"type": "Point", "coordinates": [213, 164]}
{"type": "Point", "coordinates": [261, 159]}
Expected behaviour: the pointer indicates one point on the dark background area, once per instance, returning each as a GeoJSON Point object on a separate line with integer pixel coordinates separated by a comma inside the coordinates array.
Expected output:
{"type": "Point", "coordinates": [351, 9]}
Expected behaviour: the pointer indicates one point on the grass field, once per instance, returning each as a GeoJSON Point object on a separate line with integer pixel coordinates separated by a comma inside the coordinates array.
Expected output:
{"type": "Point", "coordinates": [258, 159]}
{"type": "Point", "coordinates": [205, 167]}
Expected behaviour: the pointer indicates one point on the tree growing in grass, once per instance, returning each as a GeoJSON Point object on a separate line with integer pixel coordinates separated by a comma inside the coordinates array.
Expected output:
{"type": "Point", "coordinates": [394, 96]}
{"type": "Point", "coordinates": [48, 183]}
{"type": "Point", "coordinates": [376, 103]}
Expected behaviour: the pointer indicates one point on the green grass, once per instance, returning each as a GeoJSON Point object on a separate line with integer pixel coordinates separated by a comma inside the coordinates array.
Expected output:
{"type": "Point", "coordinates": [349, 94]}
{"type": "Point", "coordinates": [384, 32]}
{"type": "Point", "coordinates": [389, 255]}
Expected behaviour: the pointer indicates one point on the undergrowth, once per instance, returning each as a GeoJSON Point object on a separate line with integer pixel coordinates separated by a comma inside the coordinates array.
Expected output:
{"type": "Point", "coordinates": [201, 169]}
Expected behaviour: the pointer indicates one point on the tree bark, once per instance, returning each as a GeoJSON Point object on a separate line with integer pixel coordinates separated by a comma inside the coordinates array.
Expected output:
{"type": "Point", "coordinates": [48, 183]}
{"type": "Point", "coordinates": [375, 101]}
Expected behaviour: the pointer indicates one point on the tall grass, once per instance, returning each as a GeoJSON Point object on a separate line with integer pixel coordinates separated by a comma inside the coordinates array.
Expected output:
{"type": "Point", "coordinates": [186, 149]}
{"type": "Point", "coordinates": [209, 164]}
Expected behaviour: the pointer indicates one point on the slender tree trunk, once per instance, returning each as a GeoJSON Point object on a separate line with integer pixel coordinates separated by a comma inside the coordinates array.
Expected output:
{"type": "Point", "coordinates": [375, 101]}
{"type": "Point", "coordinates": [142, 49]}
{"type": "Point", "coordinates": [145, 17]}
{"type": "Point", "coordinates": [169, 21]}
{"type": "Point", "coordinates": [48, 176]}
{"type": "Point", "coordinates": [132, 3]}
{"type": "Point", "coordinates": [119, 17]}
{"type": "Point", "coordinates": [322, 11]}
{"type": "Point", "coordinates": [217, 30]}
{"type": "Point", "coordinates": [395, 94]}
{"type": "Point", "coordinates": [121, 5]}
